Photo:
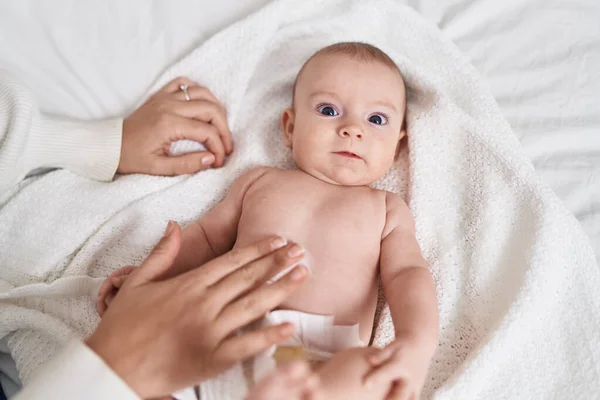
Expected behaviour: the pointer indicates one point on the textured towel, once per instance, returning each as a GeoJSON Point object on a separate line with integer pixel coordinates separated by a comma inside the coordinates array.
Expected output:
{"type": "Point", "coordinates": [516, 277]}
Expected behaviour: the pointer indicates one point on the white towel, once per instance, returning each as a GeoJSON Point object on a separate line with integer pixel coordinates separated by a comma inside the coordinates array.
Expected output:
{"type": "Point", "coordinates": [516, 277]}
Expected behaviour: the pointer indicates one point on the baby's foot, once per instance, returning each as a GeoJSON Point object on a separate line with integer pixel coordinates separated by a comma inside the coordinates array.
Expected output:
{"type": "Point", "coordinates": [294, 381]}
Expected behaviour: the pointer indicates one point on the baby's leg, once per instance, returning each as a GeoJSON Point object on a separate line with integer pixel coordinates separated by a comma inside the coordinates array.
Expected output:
{"type": "Point", "coordinates": [342, 377]}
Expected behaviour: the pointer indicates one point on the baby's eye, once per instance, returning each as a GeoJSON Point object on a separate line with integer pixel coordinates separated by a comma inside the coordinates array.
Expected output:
{"type": "Point", "coordinates": [327, 110]}
{"type": "Point", "coordinates": [378, 119]}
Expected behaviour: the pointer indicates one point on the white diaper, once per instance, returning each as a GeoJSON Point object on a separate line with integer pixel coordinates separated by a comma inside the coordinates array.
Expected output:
{"type": "Point", "coordinates": [316, 334]}
{"type": "Point", "coordinates": [318, 337]}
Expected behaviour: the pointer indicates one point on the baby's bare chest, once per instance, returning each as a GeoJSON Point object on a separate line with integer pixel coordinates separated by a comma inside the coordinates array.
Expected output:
{"type": "Point", "coordinates": [335, 225]}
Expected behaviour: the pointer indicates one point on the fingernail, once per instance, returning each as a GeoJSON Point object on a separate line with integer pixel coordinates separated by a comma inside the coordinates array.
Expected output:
{"type": "Point", "coordinates": [170, 227]}
{"type": "Point", "coordinates": [208, 159]}
{"type": "Point", "coordinates": [286, 330]}
{"type": "Point", "coordinates": [295, 251]}
{"type": "Point", "coordinates": [278, 243]}
{"type": "Point", "coordinates": [298, 273]}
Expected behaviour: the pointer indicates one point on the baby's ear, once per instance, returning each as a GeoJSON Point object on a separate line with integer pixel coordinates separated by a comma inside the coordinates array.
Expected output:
{"type": "Point", "coordinates": [287, 125]}
{"type": "Point", "coordinates": [402, 130]}
{"type": "Point", "coordinates": [401, 141]}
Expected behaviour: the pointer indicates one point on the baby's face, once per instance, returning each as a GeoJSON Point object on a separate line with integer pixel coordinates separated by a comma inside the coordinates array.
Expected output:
{"type": "Point", "coordinates": [347, 118]}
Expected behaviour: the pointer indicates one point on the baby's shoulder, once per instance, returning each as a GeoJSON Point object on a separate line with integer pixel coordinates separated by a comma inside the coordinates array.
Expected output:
{"type": "Point", "coordinates": [258, 178]}
{"type": "Point", "coordinates": [248, 179]}
{"type": "Point", "coordinates": [393, 201]}
{"type": "Point", "coordinates": [254, 174]}
{"type": "Point", "coordinates": [398, 215]}
{"type": "Point", "coordinates": [388, 200]}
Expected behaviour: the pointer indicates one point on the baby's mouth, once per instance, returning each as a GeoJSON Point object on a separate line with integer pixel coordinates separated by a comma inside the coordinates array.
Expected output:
{"type": "Point", "coordinates": [347, 154]}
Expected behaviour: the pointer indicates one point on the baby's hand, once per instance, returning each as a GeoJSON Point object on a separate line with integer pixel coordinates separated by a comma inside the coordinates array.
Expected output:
{"type": "Point", "coordinates": [342, 377]}
{"type": "Point", "coordinates": [110, 287]}
{"type": "Point", "coordinates": [404, 365]}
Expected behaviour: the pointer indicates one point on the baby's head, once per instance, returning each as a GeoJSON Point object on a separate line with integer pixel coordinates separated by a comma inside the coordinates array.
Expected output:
{"type": "Point", "coordinates": [347, 114]}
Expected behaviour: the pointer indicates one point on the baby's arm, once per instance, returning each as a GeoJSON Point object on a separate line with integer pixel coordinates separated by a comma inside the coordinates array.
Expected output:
{"type": "Point", "coordinates": [410, 292]}
{"type": "Point", "coordinates": [215, 233]}
{"type": "Point", "coordinates": [407, 282]}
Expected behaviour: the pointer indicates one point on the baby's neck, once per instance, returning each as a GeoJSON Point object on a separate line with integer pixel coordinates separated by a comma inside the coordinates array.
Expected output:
{"type": "Point", "coordinates": [325, 181]}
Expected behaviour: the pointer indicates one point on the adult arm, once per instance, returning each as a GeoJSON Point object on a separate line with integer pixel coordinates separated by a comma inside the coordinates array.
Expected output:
{"type": "Point", "coordinates": [140, 143]}
{"type": "Point", "coordinates": [30, 140]}
{"type": "Point", "coordinates": [76, 372]}
{"type": "Point", "coordinates": [149, 337]}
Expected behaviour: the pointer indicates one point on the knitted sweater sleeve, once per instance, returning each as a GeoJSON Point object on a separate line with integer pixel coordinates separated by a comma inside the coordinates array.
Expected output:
{"type": "Point", "coordinates": [76, 373]}
{"type": "Point", "coordinates": [30, 140]}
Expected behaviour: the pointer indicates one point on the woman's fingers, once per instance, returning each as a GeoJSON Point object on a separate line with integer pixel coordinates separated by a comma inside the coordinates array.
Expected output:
{"type": "Point", "coordinates": [257, 303]}
{"type": "Point", "coordinates": [167, 117]}
{"type": "Point", "coordinates": [203, 106]}
{"type": "Point", "coordinates": [250, 343]}
{"type": "Point", "coordinates": [174, 85]}
{"type": "Point", "coordinates": [161, 258]}
{"type": "Point", "coordinates": [255, 274]}
{"type": "Point", "coordinates": [201, 132]}
{"type": "Point", "coordinates": [218, 268]}
{"type": "Point", "coordinates": [189, 163]}
{"type": "Point", "coordinates": [195, 92]}
{"type": "Point", "coordinates": [206, 111]}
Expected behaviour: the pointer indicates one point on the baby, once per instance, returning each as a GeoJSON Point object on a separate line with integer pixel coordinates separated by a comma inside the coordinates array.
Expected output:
{"type": "Point", "coordinates": [344, 129]}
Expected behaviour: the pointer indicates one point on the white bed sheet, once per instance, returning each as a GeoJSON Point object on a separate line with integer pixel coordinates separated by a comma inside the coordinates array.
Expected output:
{"type": "Point", "coordinates": [541, 59]}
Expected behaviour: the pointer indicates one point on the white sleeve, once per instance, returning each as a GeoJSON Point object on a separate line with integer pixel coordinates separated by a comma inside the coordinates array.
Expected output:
{"type": "Point", "coordinates": [31, 140]}
{"type": "Point", "coordinates": [76, 373]}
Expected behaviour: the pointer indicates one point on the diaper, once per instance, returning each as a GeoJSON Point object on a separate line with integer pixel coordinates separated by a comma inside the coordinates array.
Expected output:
{"type": "Point", "coordinates": [316, 339]}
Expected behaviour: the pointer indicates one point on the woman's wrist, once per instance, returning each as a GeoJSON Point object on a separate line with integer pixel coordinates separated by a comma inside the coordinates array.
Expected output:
{"type": "Point", "coordinates": [87, 148]}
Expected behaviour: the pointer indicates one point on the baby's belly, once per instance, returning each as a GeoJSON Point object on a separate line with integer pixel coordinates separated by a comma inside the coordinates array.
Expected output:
{"type": "Point", "coordinates": [341, 283]}
{"type": "Point", "coordinates": [341, 255]}
{"type": "Point", "coordinates": [349, 304]}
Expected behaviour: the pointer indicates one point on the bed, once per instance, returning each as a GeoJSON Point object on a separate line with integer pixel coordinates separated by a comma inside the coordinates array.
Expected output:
{"type": "Point", "coordinates": [541, 60]}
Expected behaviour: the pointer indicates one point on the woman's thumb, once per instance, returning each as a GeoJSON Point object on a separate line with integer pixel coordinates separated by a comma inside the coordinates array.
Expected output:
{"type": "Point", "coordinates": [161, 257]}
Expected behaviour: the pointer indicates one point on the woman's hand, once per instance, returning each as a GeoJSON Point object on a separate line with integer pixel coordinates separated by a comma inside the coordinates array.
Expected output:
{"type": "Point", "coordinates": [167, 117]}
{"type": "Point", "coordinates": [162, 336]}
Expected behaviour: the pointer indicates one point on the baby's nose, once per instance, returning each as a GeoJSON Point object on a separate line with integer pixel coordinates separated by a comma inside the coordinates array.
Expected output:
{"type": "Point", "coordinates": [351, 131]}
